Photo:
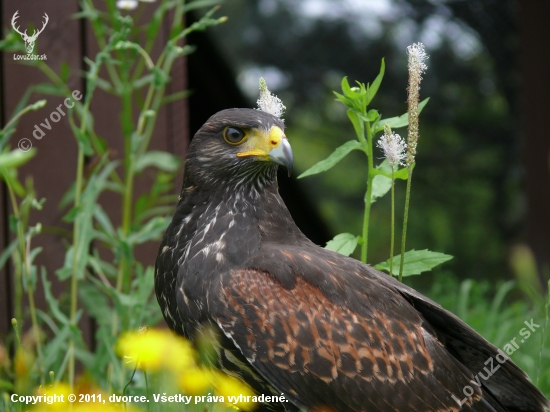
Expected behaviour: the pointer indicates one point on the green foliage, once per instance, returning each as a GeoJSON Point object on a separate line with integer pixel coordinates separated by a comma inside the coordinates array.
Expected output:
{"type": "Point", "coordinates": [416, 262]}
{"type": "Point", "coordinates": [344, 243]}
{"type": "Point", "coordinates": [333, 159]}
{"type": "Point", "coordinates": [380, 178]}
{"type": "Point", "coordinates": [101, 272]}
{"type": "Point", "coordinates": [495, 311]}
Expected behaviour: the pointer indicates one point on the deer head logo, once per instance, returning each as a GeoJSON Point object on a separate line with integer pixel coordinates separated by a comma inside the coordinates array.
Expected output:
{"type": "Point", "coordinates": [29, 40]}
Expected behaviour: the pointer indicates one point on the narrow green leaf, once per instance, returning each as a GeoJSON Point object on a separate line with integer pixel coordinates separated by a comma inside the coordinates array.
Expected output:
{"type": "Point", "coordinates": [53, 303]}
{"type": "Point", "coordinates": [345, 87]}
{"type": "Point", "coordinates": [161, 160]}
{"type": "Point", "coordinates": [416, 262]}
{"type": "Point", "coordinates": [401, 121]}
{"type": "Point", "coordinates": [373, 88]}
{"type": "Point", "coordinates": [198, 4]}
{"type": "Point", "coordinates": [333, 159]}
{"type": "Point", "coordinates": [15, 158]}
{"type": "Point", "coordinates": [5, 255]}
{"type": "Point", "coordinates": [104, 220]}
{"type": "Point", "coordinates": [344, 243]}
{"type": "Point", "coordinates": [358, 124]}
{"type": "Point", "coordinates": [152, 230]}
{"type": "Point", "coordinates": [51, 89]}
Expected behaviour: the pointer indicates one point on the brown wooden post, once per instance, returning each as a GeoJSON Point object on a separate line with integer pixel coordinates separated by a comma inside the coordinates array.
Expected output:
{"type": "Point", "coordinates": [535, 109]}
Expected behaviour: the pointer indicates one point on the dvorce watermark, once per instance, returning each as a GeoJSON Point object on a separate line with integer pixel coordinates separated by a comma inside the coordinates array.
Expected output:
{"type": "Point", "coordinates": [501, 357]}
{"type": "Point", "coordinates": [26, 144]}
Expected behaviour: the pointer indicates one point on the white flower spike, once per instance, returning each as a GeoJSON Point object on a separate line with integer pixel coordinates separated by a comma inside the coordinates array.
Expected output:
{"type": "Point", "coordinates": [268, 102]}
{"type": "Point", "coordinates": [127, 4]}
{"type": "Point", "coordinates": [417, 58]}
{"type": "Point", "coordinates": [417, 67]}
{"type": "Point", "coordinates": [394, 147]}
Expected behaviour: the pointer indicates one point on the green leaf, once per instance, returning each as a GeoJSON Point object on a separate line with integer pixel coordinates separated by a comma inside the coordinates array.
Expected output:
{"type": "Point", "coordinates": [197, 4]}
{"type": "Point", "coordinates": [152, 230]}
{"type": "Point", "coordinates": [381, 184]}
{"type": "Point", "coordinates": [373, 88]}
{"type": "Point", "coordinates": [5, 255]}
{"type": "Point", "coordinates": [10, 176]}
{"type": "Point", "coordinates": [358, 124]}
{"type": "Point", "coordinates": [160, 77]}
{"type": "Point", "coordinates": [344, 243]}
{"type": "Point", "coordinates": [15, 158]}
{"type": "Point", "coordinates": [83, 141]}
{"type": "Point", "coordinates": [346, 89]}
{"type": "Point", "coordinates": [96, 303]}
{"type": "Point", "coordinates": [403, 173]}
{"type": "Point", "coordinates": [51, 89]}
{"type": "Point", "coordinates": [334, 158]}
{"type": "Point", "coordinates": [401, 121]}
{"type": "Point", "coordinates": [416, 262]}
{"type": "Point", "coordinates": [7, 386]}
{"type": "Point", "coordinates": [53, 303]}
{"type": "Point", "coordinates": [161, 160]}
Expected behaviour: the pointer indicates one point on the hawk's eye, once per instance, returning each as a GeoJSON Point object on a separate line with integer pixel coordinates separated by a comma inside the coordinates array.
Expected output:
{"type": "Point", "coordinates": [233, 135]}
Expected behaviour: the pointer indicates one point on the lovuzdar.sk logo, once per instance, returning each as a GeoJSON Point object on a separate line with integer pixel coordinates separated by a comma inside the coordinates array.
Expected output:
{"type": "Point", "coordinates": [30, 40]}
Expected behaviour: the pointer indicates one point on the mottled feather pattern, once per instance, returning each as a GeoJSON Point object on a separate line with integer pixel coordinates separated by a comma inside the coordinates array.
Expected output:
{"type": "Point", "coordinates": [302, 336]}
{"type": "Point", "coordinates": [329, 332]}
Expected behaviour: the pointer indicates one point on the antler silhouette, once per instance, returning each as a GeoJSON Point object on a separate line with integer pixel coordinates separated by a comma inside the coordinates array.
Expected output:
{"type": "Point", "coordinates": [13, 21]}
{"type": "Point", "coordinates": [36, 33]}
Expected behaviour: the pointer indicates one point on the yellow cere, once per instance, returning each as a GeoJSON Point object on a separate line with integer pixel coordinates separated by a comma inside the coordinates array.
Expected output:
{"type": "Point", "coordinates": [260, 143]}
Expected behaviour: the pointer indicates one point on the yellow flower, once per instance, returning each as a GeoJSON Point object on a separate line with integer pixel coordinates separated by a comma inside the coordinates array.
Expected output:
{"type": "Point", "coordinates": [194, 381]}
{"type": "Point", "coordinates": [55, 392]}
{"type": "Point", "coordinates": [156, 349]}
{"type": "Point", "coordinates": [240, 392]}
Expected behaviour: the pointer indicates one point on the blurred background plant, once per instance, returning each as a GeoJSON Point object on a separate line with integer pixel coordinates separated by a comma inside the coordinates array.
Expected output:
{"type": "Point", "coordinates": [101, 272]}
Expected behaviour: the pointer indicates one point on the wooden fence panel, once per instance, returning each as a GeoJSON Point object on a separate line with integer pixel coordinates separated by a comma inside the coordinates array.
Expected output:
{"type": "Point", "coordinates": [68, 40]}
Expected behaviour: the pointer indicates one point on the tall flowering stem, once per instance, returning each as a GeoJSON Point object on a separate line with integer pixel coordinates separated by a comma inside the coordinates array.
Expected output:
{"type": "Point", "coordinates": [394, 149]}
{"type": "Point", "coordinates": [417, 67]}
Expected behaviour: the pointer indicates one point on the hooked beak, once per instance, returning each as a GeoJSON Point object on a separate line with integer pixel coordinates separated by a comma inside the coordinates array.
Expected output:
{"type": "Point", "coordinates": [282, 154]}
{"type": "Point", "coordinates": [271, 146]}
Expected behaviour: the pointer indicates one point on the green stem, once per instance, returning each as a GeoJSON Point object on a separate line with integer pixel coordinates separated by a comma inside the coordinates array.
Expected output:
{"type": "Point", "coordinates": [25, 246]}
{"type": "Point", "coordinates": [368, 195]}
{"type": "Point", "coordinates": [74, 276]}
{"type": "Point", "coordinates": [405, 222]}
{"type": "Point", "coordinates": [18, 276]}
{"type": "Point", "coordinates": [392, 218]}
{"type": "Point", "coordinates": [76, 229]}
{"type": "Point", "coordinates": [24, 262]}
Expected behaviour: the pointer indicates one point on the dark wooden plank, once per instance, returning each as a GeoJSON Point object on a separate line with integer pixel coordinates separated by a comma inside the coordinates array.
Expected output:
{"type": "Point", "coordinates": [52, 169]}
{"type": "Point", "coordinates": [535, 106]}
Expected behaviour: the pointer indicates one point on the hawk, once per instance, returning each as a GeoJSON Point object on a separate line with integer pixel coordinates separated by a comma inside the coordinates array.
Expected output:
{"type": "Point", "coordinates": [327, 331]}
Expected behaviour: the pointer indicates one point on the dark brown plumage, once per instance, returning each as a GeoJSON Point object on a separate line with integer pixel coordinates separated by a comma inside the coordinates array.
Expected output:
{"type": "Point", "coordinates": [329, 332]}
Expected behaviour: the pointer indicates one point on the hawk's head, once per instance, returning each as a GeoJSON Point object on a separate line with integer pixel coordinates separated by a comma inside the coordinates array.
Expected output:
{"type": "Point", "coordinates": [237, 147]}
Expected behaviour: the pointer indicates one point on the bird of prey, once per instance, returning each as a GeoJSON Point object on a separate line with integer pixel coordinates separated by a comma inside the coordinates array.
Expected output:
{"type": "Point", "coordinates": [325, 330]}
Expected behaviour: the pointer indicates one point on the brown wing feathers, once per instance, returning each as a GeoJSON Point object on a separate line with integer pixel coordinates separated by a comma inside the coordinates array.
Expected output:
{"type": "Point", "coordinates": [304, 343]}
